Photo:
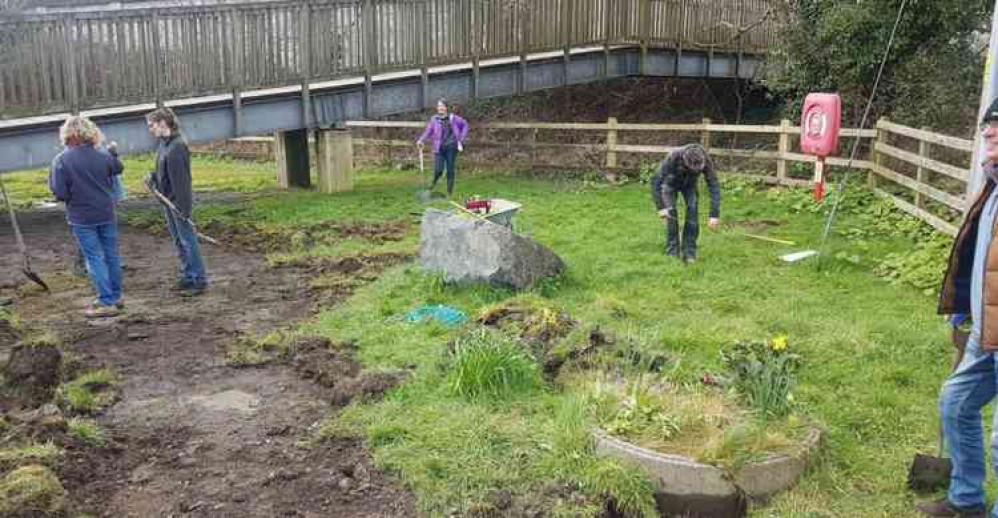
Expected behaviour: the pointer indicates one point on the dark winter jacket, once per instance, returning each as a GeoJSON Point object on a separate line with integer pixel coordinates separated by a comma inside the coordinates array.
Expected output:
{"type": "Point", "coordinates": [81, 176]}
{"type": "Point", "coordinates": [173, 173]}
{"type": "Point", "coordinates": [672, 175]}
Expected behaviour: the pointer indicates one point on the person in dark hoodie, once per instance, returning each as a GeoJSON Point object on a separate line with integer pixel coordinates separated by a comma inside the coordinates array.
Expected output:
{"type": "Point", "coordinates": [967, 289]}
{"type": "Point", "coordinates": [679, 174]}
{"type": "Point", "coordinates": [448, 133]}
{"type": "Point", "coordinates": [172, 178]}
{"type": "Point", "coordinates": [82, 176]}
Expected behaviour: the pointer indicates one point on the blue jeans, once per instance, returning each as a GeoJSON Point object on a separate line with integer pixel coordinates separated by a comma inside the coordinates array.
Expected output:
{"type": "Point", "coordinates": [965, 392]}
{"type": "Point", "coordinates": [99, 244]}
{"type": "Point", "coordinates": [186, 243]}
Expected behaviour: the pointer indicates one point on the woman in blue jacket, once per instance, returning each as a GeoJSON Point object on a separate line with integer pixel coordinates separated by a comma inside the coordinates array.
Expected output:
{"type": "Point", "coordinates": [82, 176]}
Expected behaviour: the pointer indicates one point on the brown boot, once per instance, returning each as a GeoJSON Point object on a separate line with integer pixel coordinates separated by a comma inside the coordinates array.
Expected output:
{"type": "Point", "coordinates": [943, 509]}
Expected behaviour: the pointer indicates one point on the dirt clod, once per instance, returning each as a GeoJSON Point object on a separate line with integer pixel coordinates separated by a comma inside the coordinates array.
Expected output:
{"type": "Point", "coordinates": [32, 373]}
{"type": "Point", "coordinates": [367, 385]}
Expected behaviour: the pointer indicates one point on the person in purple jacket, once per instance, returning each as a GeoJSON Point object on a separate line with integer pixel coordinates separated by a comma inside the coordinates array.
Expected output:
{"type": "Point", "coordinates": [448, 133]}
{"type": "Point", "coordinates": [82, 176]}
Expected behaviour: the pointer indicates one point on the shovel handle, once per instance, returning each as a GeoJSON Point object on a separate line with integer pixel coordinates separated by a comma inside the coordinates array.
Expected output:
{"type": "Point", "coordinates": [13, 220]}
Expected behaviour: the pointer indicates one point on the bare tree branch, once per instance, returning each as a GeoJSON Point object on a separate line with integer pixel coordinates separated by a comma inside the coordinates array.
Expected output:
{"type": "Point", "coordinates": [739, 31]}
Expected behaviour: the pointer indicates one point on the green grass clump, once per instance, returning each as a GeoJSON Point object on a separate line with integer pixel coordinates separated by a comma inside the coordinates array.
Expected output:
{"type": "Point", "coordinates": [250, 351]}
{"type": "Point", "coordinates": [87, 431]}
{"type": "Point", "coordinates": [89, 392]}
{"type": "Point", "coordinates": [486, 366]}
{"type": "Point", "coordinates": [47, 454]}
{"type": "Point", "coordinates": [31, 489]}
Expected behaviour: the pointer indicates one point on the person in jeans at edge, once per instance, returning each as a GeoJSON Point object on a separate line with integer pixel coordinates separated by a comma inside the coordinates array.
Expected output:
{"type": "Point", "coordinates": [172, 178]}
{"type": "Point", "coordinates": [448, 132]}
{"type": "Point", "coordinates": [679, 174]}
{"type": "Point", "coordinates": [82, 177]}
{"type": "Point", "coordinates": [967, 289]}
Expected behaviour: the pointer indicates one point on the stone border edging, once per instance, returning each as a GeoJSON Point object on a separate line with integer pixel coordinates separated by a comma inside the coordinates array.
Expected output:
{"type": "Point", "coordinates": [684, 485]}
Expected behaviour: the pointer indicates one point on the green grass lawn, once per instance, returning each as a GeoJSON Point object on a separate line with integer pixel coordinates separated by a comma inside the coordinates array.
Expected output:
{"type": "Point", "coordinates": [874, 352]}
{"type": "Point", "coordinates": [211, 175]}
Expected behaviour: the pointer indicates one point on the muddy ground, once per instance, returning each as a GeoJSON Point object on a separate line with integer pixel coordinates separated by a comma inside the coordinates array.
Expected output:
{"type": "Point", "coordinates": [191, 435]}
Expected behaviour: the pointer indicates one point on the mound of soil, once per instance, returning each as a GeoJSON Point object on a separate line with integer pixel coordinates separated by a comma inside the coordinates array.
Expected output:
{"type": "Point", "coordinates": [334, 367]}
{"type": "Point", "coordinates": [32, 373]}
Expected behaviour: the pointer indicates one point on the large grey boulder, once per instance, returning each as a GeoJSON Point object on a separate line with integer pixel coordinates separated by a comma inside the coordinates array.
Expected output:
{"type": "Point", "coordinates": [466, 249]}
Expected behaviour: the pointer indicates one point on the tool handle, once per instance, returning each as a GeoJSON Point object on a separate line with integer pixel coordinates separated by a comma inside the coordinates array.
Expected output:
{"type": "Point", "coordinates": [169, 205]}
{"type": "Point", "coordinates": [13, 221]}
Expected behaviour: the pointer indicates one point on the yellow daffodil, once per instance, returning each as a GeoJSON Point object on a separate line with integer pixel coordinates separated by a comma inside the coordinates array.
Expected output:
{"type": "Point", "coordinates": [779, 343]}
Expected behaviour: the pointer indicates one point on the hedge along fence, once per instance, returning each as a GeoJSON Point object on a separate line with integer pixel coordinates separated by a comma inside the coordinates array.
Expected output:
{"type": "Point", "coordinates": [922, 173]}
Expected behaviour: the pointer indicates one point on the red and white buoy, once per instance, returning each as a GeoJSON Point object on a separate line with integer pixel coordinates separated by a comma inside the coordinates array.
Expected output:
{"type": "Point", "coordinates": [821, 120]}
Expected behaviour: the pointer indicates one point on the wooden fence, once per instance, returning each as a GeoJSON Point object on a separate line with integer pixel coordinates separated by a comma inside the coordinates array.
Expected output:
{"type": "Point", "coordinates": [926, 173]}
{"type": "Point", "coordinates": [923, 173]}
{"type": "Point", "coordinates": [85, 60]}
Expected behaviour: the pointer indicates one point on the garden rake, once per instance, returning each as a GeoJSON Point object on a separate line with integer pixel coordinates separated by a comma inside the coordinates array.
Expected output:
{"type": "Point", "coordinates": [28, 272]}
{"type": "Point", "coordinates": [173, 208]}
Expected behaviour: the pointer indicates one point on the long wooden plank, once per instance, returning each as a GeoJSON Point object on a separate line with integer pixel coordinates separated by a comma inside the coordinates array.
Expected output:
{"type": "Point", "coordinates": [600, 126]}
{"type": "Point", "coordinates": [924, 162]}
{"type": "Point", "coordinates": [935, 138]}
{"type": "Point", "coordinates": [719, 128]}
{"type": "Point", "coordinates": [924, 215]}
{"type": "Point", "coordinates": [936, 194]}
{"type": "Point", "coordinates": [844, 132]}
{"type": "Point", "coordinates": [833, 161]}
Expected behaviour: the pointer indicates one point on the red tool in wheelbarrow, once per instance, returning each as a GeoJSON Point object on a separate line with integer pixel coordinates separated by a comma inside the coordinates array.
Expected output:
{"type": "Point", "coordinates": [821, 120]}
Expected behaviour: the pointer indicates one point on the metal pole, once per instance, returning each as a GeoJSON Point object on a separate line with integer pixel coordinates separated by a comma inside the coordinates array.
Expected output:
{"type": "Point", "coordinates": [988, 95]}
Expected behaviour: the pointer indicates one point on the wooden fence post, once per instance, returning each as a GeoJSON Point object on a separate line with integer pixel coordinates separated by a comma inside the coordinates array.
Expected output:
{"type": "Point", "coordinates": [644, 17]}
{"type": "Point", "coordinates": [705, 133]}
{"type": "Point", "coordinates": [923, 174]}
{"type": "Point", "coordinates": [784, 149]}
{"type": "Point", "coordinates": [370, 53]}
{"type": "Point", "coordinates": [881, 137]}
{"type": "Point", "coordinates": [159, 68]}
{"type": "Point", "coordinates": [72, 76]}
{"type": "Point", "coordinates": [611, 143]}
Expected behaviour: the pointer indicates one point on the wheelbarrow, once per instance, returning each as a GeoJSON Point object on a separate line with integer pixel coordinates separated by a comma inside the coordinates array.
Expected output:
{"type": "Point", "coordinates": [495, 210]}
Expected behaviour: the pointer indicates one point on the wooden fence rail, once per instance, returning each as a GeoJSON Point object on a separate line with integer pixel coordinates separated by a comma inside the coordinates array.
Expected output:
{"type": "Point", "coordinates": [914, 168]}
{"type": "Point", "coordinates": [67, 62]}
